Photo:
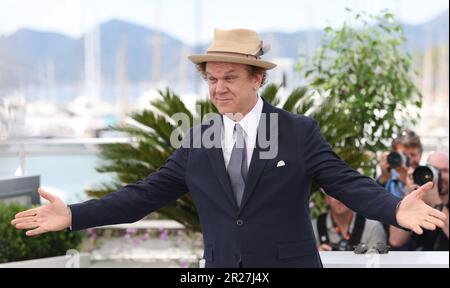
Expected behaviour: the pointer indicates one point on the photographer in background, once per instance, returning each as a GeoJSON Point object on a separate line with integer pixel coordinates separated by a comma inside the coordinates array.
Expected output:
{"type": "Point", "coordinates": [406, 154]}
{"type": "Point", "coordinates": [395, 166]}
{"type": "Point", "coordinates": [437, 240]}
{"type": "Point", "coordinates": [341, 229]}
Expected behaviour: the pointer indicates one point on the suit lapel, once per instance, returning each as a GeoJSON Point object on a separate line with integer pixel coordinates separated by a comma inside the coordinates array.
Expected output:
{"type": "Point", "coordinates": [217, 161]}
{"type": "Point", "coordinates": [257, 164]}
{"type": "Point", "coordinates": [254, 173]}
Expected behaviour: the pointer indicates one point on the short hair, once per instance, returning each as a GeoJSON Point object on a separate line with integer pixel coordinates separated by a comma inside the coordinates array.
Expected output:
{"type": "Point", "coordinates": [409, 139]}
{"type": "Point", "coordinates": [252, 70]}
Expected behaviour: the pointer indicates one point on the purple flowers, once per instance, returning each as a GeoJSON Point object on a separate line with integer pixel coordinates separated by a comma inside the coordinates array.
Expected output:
{"type": "Point", "coordinates": [164, 234]}
{"type": "Point", "coordinates": [92, 235]}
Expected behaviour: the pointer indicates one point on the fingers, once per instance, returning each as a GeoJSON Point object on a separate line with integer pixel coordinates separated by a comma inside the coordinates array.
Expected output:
{"type": "Point", "coordinates": [414, 187]}
{"type": "Point", "coordinates": [428, 226]}
{"type": "Point", "coordinates": [325, 247]}
{"type": "Point", "coordinates": [402, 169]}
{"type": "Point", "coordinates": [437, 214]}
{"type": "Point", "coordinates": [44, 194]}
{"type": "Point", "coordinates": [23, 220]}
{"type": "Point", "coordinates": [35, 232]}
{"type": "Point", "coordinates": [416, 229]}
{"type": "Point", "coordinates": [26, 222]}
{"type": "Point", "coordinates": [29, 225]}
{"type": "Point", "coordinates": [422, 190]}
{"type": "Point", "coordinates": [435, 221]}
{"type": "Point", "coordinates": [31, 212]}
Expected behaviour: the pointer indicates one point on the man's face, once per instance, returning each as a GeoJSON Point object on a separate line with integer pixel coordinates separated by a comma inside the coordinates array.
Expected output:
{"type": "Point", "coordinates": [336, 206]}
{"type": "Point", "coordinates": [232, 89]}
{"type": "Point", "coordinates": [440, 161]}
{"type": "Point", "coordinates": [413, 154]}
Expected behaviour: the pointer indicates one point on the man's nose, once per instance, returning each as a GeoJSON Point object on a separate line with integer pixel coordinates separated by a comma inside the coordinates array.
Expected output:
{"type": "Point", "coordinates": [221, 87]}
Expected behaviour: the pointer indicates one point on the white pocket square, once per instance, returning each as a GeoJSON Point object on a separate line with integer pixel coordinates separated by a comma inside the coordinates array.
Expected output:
{"type": "Point", "coordinates": [281, 164]}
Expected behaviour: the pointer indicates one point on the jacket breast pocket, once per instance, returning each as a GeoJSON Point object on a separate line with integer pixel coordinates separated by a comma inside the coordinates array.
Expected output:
{"type": "Point", "coordinates": [276, 166]}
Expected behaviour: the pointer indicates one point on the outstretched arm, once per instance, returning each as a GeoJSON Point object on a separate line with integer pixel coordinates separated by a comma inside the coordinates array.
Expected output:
{"type": "Point", "coordinates": [129, 204]}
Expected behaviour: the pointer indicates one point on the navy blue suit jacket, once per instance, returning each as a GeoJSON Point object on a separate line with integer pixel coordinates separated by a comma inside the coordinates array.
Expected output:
{"type": "Point", "coordinates": [272, 228]}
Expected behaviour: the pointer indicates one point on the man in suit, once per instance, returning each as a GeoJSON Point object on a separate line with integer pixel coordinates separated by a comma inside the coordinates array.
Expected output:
{"type": "Point", "coordinates": [252, 198]}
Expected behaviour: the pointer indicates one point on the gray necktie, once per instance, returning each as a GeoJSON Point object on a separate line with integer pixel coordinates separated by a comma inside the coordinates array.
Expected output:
{"type": "Point", "coordinates": [237, 167]}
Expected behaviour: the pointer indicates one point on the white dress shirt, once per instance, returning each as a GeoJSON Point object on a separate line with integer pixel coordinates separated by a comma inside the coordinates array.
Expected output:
{"type": "Point", "coordinates": [249, 124]}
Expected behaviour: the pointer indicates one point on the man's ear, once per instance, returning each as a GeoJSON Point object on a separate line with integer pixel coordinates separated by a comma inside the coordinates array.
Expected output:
{"type": "Point", "coordinates": [258, 79]}
{"type": "Point", "coordinates": [327, 199]}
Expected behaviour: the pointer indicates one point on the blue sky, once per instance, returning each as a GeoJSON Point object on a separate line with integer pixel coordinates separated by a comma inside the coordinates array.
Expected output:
{"type": "Point", "coordinates": [180, 19]}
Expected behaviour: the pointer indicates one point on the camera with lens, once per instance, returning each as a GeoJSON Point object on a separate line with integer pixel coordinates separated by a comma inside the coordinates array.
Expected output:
{"type": "Point", "coordinates": [396, 160]}
{"type": "Point", "coordinates": [425, 174]}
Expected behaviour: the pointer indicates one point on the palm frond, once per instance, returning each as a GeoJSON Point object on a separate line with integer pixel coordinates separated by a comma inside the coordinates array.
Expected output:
{"type": "Point", "coordinates": [294, 98]}
{"type": "Point", "coordinates": [270, 94]}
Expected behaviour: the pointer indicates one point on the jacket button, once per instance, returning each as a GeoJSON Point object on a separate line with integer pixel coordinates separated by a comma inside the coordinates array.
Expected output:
{"type": "Point", "coordinates": [240, 222]}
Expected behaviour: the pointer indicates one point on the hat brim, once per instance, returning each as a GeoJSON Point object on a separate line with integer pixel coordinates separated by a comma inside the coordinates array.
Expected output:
{"type": "Point", "coordinates": [202, 58]}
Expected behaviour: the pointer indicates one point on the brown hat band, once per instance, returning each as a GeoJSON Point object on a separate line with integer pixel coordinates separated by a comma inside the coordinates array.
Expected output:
{"type": "Point", "coordinates": [233, 54]}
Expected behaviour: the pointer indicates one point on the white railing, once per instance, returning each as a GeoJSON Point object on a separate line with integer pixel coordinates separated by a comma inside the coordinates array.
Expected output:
{"type": "Point", "coordinates": [73, 259]}
{"type": "Point", "coordinates": [50, 147]}
{"type": "Point", "coordinates": [147, 225]}
{"type": "Point", "coordinates": [394, 259]}
{"type": "Point", "coordinates": [90, 146]}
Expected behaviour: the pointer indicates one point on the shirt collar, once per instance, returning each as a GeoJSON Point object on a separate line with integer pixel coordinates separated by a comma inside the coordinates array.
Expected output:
{"type": "Point", "coordinates": [250, 121]}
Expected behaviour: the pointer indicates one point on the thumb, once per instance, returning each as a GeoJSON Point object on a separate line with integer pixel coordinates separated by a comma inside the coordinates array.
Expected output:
{"type": "Point", "coordinates": [422, 190]}
{"type": "Point", "coordinates": [44, 194]}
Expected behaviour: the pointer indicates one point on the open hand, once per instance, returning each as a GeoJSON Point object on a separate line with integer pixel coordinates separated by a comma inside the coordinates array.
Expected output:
{"type": "Point", "coordinates": [414, 214]}
{"type": "Point", "coordinates": [55, 216]}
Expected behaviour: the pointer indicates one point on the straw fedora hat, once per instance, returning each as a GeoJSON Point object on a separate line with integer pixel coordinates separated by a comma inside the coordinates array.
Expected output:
{"type": "Point", "coordinates": [241, 46]}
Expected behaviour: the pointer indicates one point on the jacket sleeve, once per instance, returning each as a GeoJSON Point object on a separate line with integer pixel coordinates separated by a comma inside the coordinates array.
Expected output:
{"type": "Point", "coordinates": [133, 202]}
{"type": "Point", "coordinates": [360, 193]}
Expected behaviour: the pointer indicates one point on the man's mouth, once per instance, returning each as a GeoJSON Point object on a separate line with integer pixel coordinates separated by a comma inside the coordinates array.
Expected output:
{"type": "Point", "coordinates": [223, 100]}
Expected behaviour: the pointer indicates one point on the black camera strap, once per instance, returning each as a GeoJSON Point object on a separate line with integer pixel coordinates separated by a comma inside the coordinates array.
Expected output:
{"type": "Point", "coordinates": [322, 229]}
{"type": "Point", "coordinates": [355, 236]}
{"type": "Point", "coordinates": [358, 230]}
